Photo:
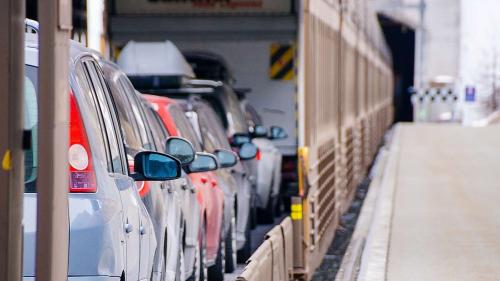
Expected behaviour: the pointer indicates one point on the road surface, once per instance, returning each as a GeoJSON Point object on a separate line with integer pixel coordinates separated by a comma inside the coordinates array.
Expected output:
{"type": "Point", "coordinates": [438, 212]}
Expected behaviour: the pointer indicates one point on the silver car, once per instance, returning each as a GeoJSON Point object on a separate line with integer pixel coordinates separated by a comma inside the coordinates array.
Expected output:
{"type": "Point", "coordinates": [213, 136]}
{"type": "Point", "coordinates": [162, 199]}
{"type": "Point", "coordinates": [269, 164]}
{"type": "Point", "coordinates": [111, 233]}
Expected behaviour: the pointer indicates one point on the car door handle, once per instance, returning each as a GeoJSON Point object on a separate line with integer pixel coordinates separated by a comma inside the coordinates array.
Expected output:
{"type": "Point", "coordinates": [169, 187]}
{"type": "Point", "coordinates": [129, 228]}
{"type": "Point", "coordinates": [142, 230]}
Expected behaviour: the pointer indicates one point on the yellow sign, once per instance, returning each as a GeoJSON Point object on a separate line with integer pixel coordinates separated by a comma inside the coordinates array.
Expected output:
{"type": "Point", "coordinates": [296, 213]}
{"type": "Point", "coordinates": [282, 62]}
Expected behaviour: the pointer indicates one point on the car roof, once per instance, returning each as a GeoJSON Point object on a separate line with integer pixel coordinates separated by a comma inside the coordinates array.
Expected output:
{"type": "Point", "coordinates": [159, 99]}
{"type": "Point", "coordinates": [31, 45]}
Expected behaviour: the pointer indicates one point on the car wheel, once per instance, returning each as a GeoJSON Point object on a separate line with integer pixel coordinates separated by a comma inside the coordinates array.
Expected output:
{"type": "Point", "coordinates": [179, 273]}
{"type": "Point", "coordinates": [200, 262]}
{"type": "Point", "coordinates": [266, 216]}
{"type": "Point", "coordinates": [216, 271]}
{"type": "Point", "coordinates": [253, 214]}
{"type": "Point", "coordinates": [231, 247]}
{"type": "Point", "coordinates": [245, 252]}
{"type": "Point", "coordinates": [278, 207]}
{"type": "Point", "coordinates": [164, 263]}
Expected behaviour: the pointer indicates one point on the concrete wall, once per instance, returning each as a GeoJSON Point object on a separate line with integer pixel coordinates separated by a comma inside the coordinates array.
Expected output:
{"type": "Point", "coordinates": [462, 40]}
{"type": "Point", "coordinates": [441, 48]}
{"type": "Point", "coordinates": [441, 39]}
{"type": "Point", "coordinates": [480, 56]}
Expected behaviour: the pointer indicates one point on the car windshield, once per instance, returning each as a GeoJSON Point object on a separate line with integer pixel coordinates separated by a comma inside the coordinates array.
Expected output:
{"type": "Point", "coordinates": [211, 127]}
{"type": "Point", "coordinates": [235, 116]}
{"type": "Point", "coordinates": [185, 129]}
{"type": "Point", "coordinates": [31, 124]}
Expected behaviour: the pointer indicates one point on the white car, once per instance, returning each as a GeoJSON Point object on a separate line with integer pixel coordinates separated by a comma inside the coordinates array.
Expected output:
{"type": "Point", "coordinates": [268, 164]}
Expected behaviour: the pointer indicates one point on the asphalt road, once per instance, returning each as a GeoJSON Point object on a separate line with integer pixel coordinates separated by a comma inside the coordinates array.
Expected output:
{"type": "Point", "coordinates": [446, 221]}
{"type": "Point", "coordinates": [437, 215]}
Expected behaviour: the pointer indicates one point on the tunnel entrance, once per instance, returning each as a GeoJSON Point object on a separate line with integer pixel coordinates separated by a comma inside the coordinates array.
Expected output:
{"type": "Point", "coordinates": [401, 40]}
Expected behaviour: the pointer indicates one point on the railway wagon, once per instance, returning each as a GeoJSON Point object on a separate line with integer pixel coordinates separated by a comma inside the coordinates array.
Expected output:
{"type": "Point", "coordinates": [345, 90]}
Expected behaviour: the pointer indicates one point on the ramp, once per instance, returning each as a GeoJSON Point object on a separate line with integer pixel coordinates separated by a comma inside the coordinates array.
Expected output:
{"type": "Point", "coordinates": [437, 216]}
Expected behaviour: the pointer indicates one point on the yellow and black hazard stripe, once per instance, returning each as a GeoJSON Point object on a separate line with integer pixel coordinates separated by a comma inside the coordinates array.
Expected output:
{"type": "Point", "coordinates": [282, 64]}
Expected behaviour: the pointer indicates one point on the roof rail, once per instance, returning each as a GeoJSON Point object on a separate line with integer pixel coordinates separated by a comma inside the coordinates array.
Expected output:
{"type": "Point", "coordinates": [204, 83]}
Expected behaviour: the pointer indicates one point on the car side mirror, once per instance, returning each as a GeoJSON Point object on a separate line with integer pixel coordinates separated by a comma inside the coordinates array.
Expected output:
{"type": "Point", "coordinates": [239, 139]}
{"type": "Point", "coordinates": [277, 133]}
{"type": "Point", "coordinates": [204, 162]}
{"type": "Point", "coordinates": [181, 149]}
{"type": "Point", "coordinates": [227, 159]}
{"type": "Point", "coordinates": [248, 151]}
{"type": "Point", "coordinates": [259, 132]}
{"type": "Point", "coordinates": [155, 166]}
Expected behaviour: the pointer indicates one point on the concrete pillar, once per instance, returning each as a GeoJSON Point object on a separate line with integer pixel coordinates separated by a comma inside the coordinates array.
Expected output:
{"type": "Point", "coordinates": [52, 184]}
{"type": "Point", "coordinates": [11, 130]}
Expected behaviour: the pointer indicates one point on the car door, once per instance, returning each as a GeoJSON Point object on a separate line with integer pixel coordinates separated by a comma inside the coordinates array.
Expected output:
{"type": "Point", "coordinates": [133, 141]}
{"type": "Point", "coordinates": [126, 186]}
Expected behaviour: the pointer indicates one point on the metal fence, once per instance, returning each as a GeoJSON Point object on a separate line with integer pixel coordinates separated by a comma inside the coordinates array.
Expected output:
{"type": "Point", "coordinates": [345, 88]}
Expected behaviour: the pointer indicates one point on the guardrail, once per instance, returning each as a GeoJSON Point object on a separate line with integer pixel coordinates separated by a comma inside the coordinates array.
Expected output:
{"type": "Point", "coordinates": [273, 260]}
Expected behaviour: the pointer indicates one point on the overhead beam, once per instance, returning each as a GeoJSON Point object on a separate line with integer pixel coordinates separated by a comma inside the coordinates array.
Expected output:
{"type": "Point", "coordinates": [186, 28]}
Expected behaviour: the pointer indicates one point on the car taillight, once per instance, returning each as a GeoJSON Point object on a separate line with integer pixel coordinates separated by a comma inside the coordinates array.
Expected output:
{"type": "Point", "coordinates": [258, 155]}
{"type": "Point", "coordinates": [142, 186]}
{"type": "Point", "coordinates": [81, 170]}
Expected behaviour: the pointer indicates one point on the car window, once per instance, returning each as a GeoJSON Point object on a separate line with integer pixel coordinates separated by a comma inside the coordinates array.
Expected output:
{"type": "Point", "coordinates": [31, 124]}
{"type": "Point", "coordinates": [108, 115]}
{"type": "Point", "coordinates": [211, 127]}
{"type": "Point", "coordinates": [252, 116]}
{"type": "Point", "coordinates": [235, 116]}
{"type": "Point", "coordinates": [184, 128]}
{"type": "Point", "coordinates": [158, 131]}
{"type": "Point", "coordinates": [136, 109]}
{"type": "Point", "coordinates": [128, 122]}
{"type": "Point", "coordinates": [216, 104]}
{"type": "Point", "coordinates": [92, 117]}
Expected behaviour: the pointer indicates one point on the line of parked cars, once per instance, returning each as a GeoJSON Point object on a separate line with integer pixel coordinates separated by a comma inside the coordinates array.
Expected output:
{"type": "Point", "coordinates": [168, 166]}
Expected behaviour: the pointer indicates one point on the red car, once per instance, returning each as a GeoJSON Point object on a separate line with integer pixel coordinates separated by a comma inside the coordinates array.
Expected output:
{"type": "Point", "coordinates": [210, 196]}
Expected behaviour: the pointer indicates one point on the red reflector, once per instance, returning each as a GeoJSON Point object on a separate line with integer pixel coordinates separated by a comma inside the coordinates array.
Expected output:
{"type": "Point", "coordinates": [204, 180]}
{"type": "Point", "coordinates": [258, 156]}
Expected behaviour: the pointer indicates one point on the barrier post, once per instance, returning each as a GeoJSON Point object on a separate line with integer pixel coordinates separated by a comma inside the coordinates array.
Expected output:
{"type": "Point", "coordinates": [298, 247]}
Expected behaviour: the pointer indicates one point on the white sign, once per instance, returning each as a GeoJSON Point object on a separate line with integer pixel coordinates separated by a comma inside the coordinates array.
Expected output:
{"type": "Point", "coordinates": [218, 7]}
